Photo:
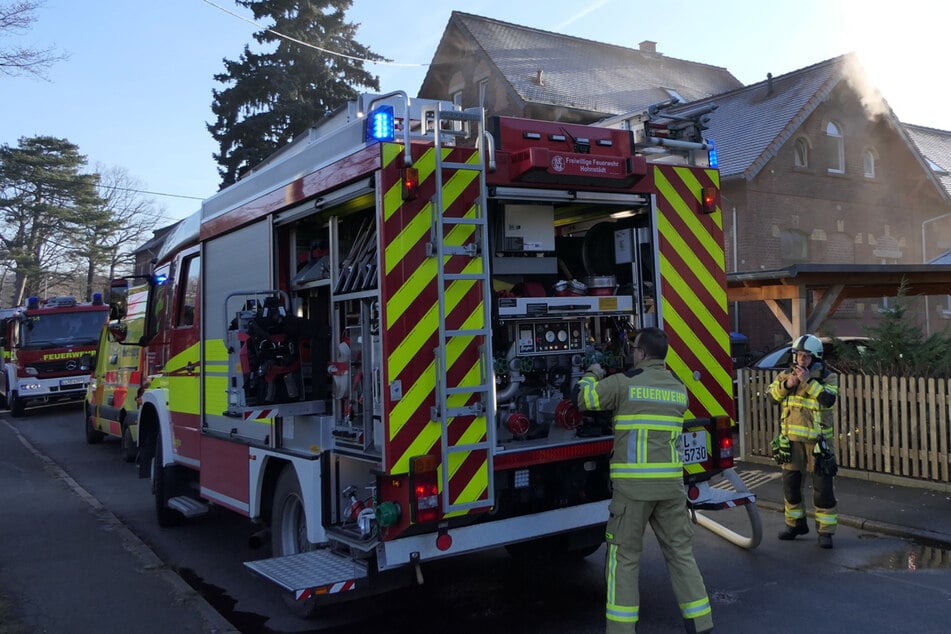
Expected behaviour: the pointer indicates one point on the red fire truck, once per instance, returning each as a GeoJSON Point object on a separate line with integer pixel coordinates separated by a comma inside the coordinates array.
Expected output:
{"type": "Point", "coordinates": [368, 344]}
{"type": "Point", "coordinates": [48, 350]}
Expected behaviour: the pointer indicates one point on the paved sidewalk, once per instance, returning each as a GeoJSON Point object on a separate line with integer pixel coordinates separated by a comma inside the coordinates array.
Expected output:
{"type": "Point", "coordinates": [915, 512]}
{"type": "Point", "coordinates": [69, 565]}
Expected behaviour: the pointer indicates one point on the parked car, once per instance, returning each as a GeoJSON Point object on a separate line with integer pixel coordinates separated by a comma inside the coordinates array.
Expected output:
{"type": "Point", "coordinates": [780, 358]}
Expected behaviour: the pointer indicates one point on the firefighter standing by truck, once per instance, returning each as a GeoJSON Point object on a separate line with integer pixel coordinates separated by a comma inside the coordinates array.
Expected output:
{"type": "Point", "coordinates": [807, 393]}
{"type": "Point", "coordinates": [647, 476]}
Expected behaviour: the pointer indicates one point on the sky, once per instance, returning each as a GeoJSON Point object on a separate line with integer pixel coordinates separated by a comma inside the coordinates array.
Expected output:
{"type": "Point", "coordinates": [136, 90]}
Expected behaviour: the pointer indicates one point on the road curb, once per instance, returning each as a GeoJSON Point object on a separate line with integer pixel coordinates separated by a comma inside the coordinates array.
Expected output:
{"type": "Point", "coordinates": [184, 594]}
{"type": "Point", "coordinates": [941, 540]}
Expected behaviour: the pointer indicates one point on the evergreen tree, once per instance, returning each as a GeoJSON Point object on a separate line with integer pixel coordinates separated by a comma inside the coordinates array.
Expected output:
{"type": "Point", "coordinates": [43, 199]}
{"type": "Point", "coordinates": [271, 97]}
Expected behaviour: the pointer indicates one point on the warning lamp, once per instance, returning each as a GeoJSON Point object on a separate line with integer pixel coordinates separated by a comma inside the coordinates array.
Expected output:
{"type": "Point", "coordinates": [32, 303]}
{"type": "Point", "coordinates": [424, 488]}
{"type": "Point", "coordinates": [159, 280]}
{"type": "Point", "coordinates": [410, 177]}
{"type": "Point", "coordinates": [713, 159]}
{"type": "Point", "coordinates": [380, 124]}
{"type": "Point", "coordinates": [97, 299]}
{"type": "Point", "coordinates": [724, 443]}
{"type": "Point", "coordinates": [709, 200]}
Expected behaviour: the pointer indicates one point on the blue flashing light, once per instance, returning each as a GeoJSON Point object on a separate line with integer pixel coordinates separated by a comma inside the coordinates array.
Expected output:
{"type": "Point", "coordinates": [159, 280]}
{"type": "Point", "coordinates": [381, 124]}
{"type": "Point", "coordinates": [712, 157]}
{"type": "Point", "coordinates": [32, 302]}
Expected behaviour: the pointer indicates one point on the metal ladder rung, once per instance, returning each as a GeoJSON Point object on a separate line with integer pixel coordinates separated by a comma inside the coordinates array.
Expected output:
{"type": "Point", "coordinates": [480, 388]}
{"type": "Point", "coordinates": [455, 277]}
{"type": "Point", "coordinates": [466, 410]}
{"type": "Point", "coordinates": [458, 115]}
{"type": "Point", "coordinates": [470, 332]}
{"type": "Point", "coordinates": [477, 446]}
{"type": "Point", "coordinates": [461, 167]}
{"type": "Point", "coordinates": [447, 220]}
{"type": "Point", "coordinates": [470, 250]}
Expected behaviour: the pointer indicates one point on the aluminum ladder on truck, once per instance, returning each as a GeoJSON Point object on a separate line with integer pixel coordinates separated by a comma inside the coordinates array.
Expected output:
{"type": "Point", "coordinates": [483, 411]}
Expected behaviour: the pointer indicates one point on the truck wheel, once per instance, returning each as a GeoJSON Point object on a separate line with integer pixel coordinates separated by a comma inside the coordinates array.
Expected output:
{"type": "Point", "coordinates": [17, 407]}
{"type": "Point", "coordinates": [289, 533]}
{"type": "Point", "coordinates": [93, 436]}
{"type": "Point", "coordinates": [129, 449]}
{"type": "Point", "coordinates": [163, 483]}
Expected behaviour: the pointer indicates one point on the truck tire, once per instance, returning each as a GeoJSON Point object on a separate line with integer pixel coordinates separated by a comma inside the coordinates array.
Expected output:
{"type": "Point", "coordinates": [130, 450]}
{"type": "Point", "coordinates": [163, 484]}
{"type": "Point", "coordinates": [17, 406]}
{"type": "Point", "coordinates": [289, 533]}
{"type": "Point", "coordinates": [93, 436]}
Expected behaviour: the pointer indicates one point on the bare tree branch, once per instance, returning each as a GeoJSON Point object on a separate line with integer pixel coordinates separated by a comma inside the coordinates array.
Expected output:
{"type": "Point", "coordinates": [18, 17]}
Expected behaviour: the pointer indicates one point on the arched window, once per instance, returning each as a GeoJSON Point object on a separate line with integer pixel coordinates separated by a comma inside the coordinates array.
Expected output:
{"type": "Point", "coordinates": [802, 153]}
{"type": "Point", "coordinates": [870, 161]}
{"type": "Point", "coordinates": [836, 148]}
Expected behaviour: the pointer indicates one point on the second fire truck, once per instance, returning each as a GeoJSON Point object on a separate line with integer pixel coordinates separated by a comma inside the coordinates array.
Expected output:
{"type": "Point", "coordinates": [368, 344]}
{"type": "Point", "coordinates": [48, 350]}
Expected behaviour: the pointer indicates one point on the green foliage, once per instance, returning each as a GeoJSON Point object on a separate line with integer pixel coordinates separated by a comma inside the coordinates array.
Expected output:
{"type": "Point", "coordinates": [271, 97]}
{"type": "Point", "coordinates": [44, 199]}
{"type": "Point", "coordinates": [898, 346]}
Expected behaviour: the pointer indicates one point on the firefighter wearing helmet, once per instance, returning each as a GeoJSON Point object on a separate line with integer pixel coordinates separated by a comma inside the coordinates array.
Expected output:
{"type": "Point", "coordinates": [807, 392]}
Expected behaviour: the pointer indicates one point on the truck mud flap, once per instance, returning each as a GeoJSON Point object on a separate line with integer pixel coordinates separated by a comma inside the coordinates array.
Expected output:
{"type": "Point", "coordinates": [309, 572]}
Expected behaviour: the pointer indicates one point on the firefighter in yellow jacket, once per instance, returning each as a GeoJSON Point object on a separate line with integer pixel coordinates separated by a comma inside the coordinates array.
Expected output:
{"type": "Point", "coordinates": [648, 403]}
{"type": "Point", "coordinates": [807, 393]}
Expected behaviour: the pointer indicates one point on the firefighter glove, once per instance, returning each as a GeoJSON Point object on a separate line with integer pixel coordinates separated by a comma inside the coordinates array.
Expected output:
{"type": "Point", "coordinates": [596, 370]}
{"type": "Point", "coordinates": [782, 453]}
{"type": "Point", "coordinates": [824, 458]}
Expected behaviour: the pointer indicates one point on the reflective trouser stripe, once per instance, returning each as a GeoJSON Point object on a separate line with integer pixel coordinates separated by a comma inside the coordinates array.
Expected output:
{"type": "Point", "coordinates": [794, 513]}
{"type": "Point", "coordinates": [613, 612]}
{"type": "Point", "coordinates": [694, 609]}
{"type": "Point", "coordinates": [826, 520]}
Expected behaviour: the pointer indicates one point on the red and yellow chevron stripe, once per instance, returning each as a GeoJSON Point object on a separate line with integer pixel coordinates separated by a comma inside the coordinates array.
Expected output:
{"type": "Point", "coordinates": [693, 288]}
{"type": "Point", "coordinates": [410, 316]}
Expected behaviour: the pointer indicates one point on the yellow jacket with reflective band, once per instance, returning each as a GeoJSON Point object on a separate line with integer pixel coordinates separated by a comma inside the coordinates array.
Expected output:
{"type": "Point", "coordinates": [807, 409]}
{"type": "Point", "coordinates": [648, 405]}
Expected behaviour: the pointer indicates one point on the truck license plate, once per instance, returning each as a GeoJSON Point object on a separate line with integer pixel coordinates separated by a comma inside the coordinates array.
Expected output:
{"type": "Point", "coordinates": [76, 380]}
{"type": "Point", "coordinates": [694, 446]}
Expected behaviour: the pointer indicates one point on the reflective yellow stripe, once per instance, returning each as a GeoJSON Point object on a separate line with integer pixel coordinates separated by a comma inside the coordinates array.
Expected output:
{"type": "Point", "coordinates": [695, 609]}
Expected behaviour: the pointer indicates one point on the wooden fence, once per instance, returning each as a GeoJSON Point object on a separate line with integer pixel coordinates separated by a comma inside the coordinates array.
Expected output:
{"type": "Point", "coordinates": [888, 425]}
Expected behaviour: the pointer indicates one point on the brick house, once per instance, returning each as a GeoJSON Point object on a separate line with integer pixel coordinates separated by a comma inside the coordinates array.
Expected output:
{"type": "Point", "coordinates": [814, 165]}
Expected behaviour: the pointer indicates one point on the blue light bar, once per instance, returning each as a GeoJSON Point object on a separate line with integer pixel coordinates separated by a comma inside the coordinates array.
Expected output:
{"type": "Point", "coordinates": [158, 280]}
{"type": "Point", "coordinates": [380, 124]}
{"type": "Point", "coordinates": [712, 157]}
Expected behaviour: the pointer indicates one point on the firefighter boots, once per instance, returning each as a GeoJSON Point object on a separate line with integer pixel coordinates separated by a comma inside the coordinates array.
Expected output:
{"type": "Point", "coordinates": [790, 532]}
{"type": "Point", "coordinates": [825, 540]}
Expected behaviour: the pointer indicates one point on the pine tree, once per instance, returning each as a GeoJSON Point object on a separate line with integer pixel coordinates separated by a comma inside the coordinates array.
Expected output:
{"type": "Point", "coordinates": [271, 97]}
{"type": "Point", "coordinates": [43, 200]}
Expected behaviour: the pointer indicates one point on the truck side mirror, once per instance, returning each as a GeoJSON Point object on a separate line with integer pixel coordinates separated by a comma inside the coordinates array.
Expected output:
{"type": "Point", "coordinates": [118, 299]}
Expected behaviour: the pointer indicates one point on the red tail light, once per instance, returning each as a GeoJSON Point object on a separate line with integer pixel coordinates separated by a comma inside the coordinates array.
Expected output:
{"type": "Point", "coordinates": [410, 183]}
{"type": "Point", "coordinates": [424, 485]}
{"type": "Point", "coordinates": [724, 442]}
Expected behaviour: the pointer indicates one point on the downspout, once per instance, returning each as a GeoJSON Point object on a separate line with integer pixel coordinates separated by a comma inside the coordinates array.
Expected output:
{"type": "Point", "coordinates": [736, 305]}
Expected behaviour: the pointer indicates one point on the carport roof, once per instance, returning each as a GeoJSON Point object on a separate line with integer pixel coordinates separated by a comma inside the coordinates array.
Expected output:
{"type": "Point", "coordinates": [817, 290]}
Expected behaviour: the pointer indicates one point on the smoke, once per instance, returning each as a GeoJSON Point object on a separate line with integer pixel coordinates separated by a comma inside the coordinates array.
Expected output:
{"type": "Point", "coordinates": [858, 79]}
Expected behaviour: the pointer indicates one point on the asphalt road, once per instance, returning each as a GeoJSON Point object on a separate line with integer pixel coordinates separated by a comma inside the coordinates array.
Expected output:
{"type": "Point", "coordinates": [869, 582]}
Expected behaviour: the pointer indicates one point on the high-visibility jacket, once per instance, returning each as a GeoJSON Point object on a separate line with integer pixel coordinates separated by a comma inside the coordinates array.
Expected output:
{"type": "Point", "coordinates": [807, 409]}
{"type": "Point", "coordinates": [648, 404]}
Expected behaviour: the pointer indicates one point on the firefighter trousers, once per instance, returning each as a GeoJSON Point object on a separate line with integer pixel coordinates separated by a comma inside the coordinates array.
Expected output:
{"type": "Point", "coordinates": [670, 522]}
{"type": "Point", "coordinates": [823, 490]}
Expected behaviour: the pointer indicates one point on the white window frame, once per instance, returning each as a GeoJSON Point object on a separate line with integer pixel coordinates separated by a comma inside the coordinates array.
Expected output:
{"type": "Point", "coordinates": [870, 164]}
{"type": "Point", "coordinates": [834, 132]}
{"type": "Point", "coordinates": [801, 151]}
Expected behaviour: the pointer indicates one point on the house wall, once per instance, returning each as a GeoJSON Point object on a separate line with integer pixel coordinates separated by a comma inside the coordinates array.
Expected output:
{"type": "Point", "coordinates": [788, 214]}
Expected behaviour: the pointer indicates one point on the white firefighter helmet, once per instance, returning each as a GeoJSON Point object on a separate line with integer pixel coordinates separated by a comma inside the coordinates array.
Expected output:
{"type": "Point", "coordinates": [809, 344]}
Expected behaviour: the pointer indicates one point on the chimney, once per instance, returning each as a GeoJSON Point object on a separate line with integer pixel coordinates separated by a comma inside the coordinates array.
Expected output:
{"type": "Point", "coordinates": [648, 47]}
{"type": "Point", "coordinates": [769, 83]}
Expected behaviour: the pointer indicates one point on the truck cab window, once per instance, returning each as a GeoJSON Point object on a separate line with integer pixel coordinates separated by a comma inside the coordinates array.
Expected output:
{"type": "Point", "coordinates": [189, 296]}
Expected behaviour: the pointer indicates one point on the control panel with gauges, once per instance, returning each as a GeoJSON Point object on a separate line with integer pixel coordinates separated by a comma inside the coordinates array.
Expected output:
{"type": "Point", "coordinates": [555, 337]}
